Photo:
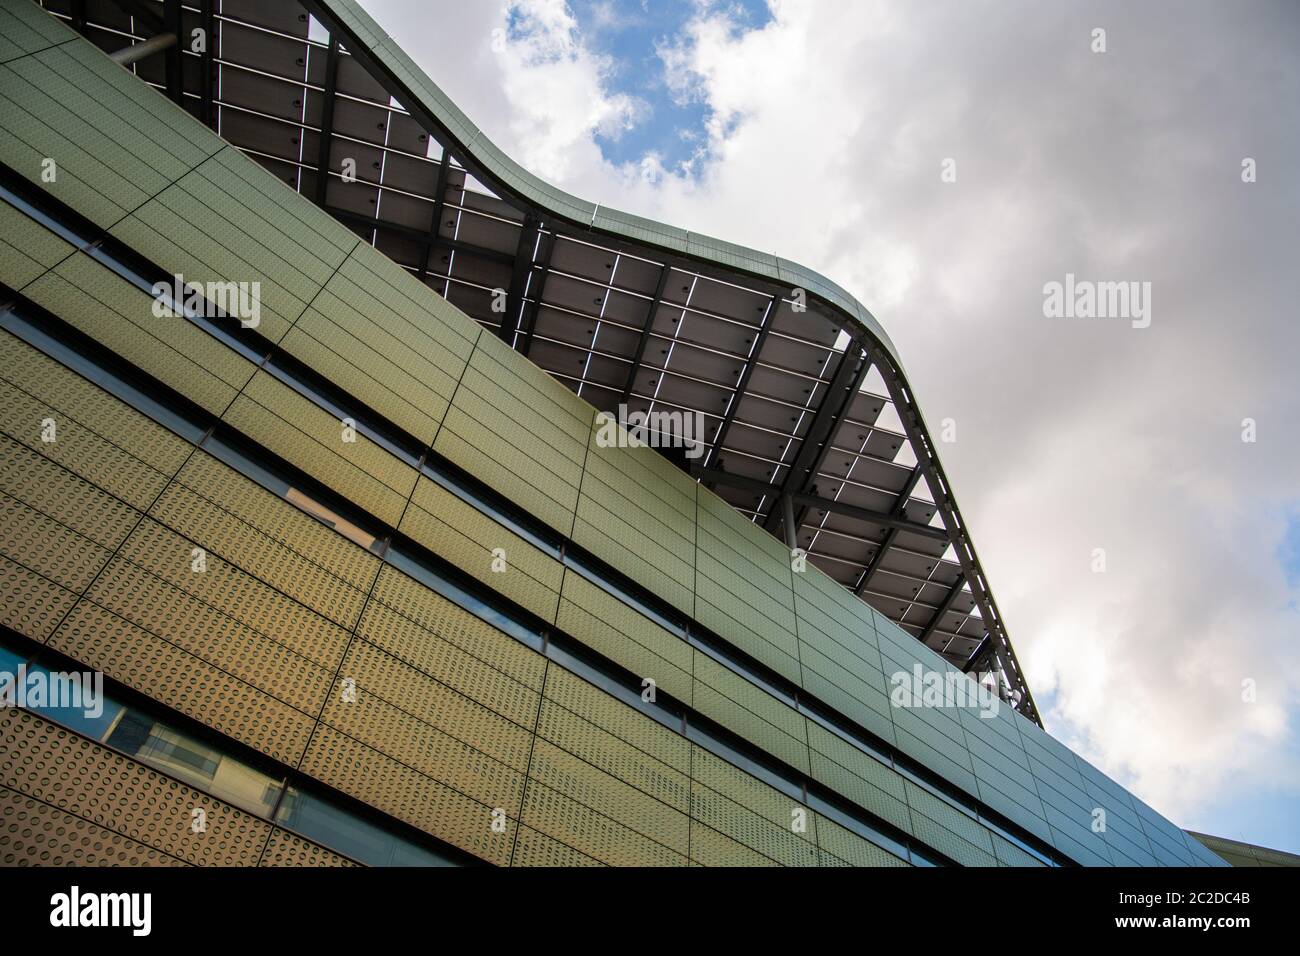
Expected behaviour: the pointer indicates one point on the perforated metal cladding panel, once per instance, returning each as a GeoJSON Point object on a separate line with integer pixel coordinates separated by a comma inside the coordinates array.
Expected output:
{"type": "Point", "coordinates": [110, 310]}
{"type": "Point", "coordinates": [853, 774]}
{"type": "Point", "coordinates": [218, 223]}
{"type": "Point", "coordinates": [841, 847]}
{"type": "Point", "coordinates": [619, 632]}
{"type": "Point", "coordinates": [604, 802]}
{"type": "Point", "coordinates": [288, 849]}
{"type": "Point", "coordinates": [409, 795]}
{"type": "Point", "coordinates": [26, 248]}
{"type": "Point", "coordinates": [33, 833]}
{"type": "Point", "coordinates": [750, 812]}
{"type": "Point", "coordinates": [752, 713]}
{"type": "Point", "coordinates": [275, 542]}
{"type": "Point", "coordinates": [410, 619]}
{"type": "Point", "coordinates": [116, 141]}
{"type": "Point", "coordinates": [57, 767]}
{"type": "Point", "coordinates": [637, 512]}
{"type": "Point", "coordinates": [743, 586]}
{"type": "Point", "coordinates": [150, 664]}
{"type": "Point", "coordinates": [839, 656]}
{"type": "Point", "coordinates": [478, 545]}
{"type": "Point", "coordinates": [384, 341]}
{"type": "Point", "coordinates": [25, 28]}
{"type": "Point", "coordinates": [520, 431]}
{"type": "Point", "coordinates": [278, 418]}
{"type": "Point", "coordinates": [537, 849]}
{"type": "Point", "coordinates": [62, 527]}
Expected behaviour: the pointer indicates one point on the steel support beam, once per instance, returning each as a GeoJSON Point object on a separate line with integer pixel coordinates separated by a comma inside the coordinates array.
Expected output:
{"type": "Point", "coordinates": [140, 51]}
{"type": "Point", "coordinates": [817, 439]}
{"type": "Point", "coordinates": [719, 477]}
{"type": "Point", "coordinates": [944, 607]}
{"type": "Point", "coordinates": [877, 559]}
{"type": "Point", "coordinates": [172, 24]}
{"type": "Point", "coordinates": [534, 302]}
{"type": "Point", "coordinates": [742, 383]}
{"type": "Point", "coordinates": [439, 204]}
{"type": "Point", "coordinates": [416, 235]}
{"type": "Point", "coordinates": [207, 66]}
{"type": "Point", "coordinates": [327, 119]}
{"type": "Point", "coordinates": [639, 355]}
{"type": "Point", "coordinates": [519, 273]}
{"type": "Point", "coordinates": [957, 536]}
{"type": "Point", "coordinates": [791, 529]}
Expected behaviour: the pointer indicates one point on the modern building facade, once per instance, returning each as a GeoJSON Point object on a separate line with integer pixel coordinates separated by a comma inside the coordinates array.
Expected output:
{"type": "Point", "coordinates": [303, 452]}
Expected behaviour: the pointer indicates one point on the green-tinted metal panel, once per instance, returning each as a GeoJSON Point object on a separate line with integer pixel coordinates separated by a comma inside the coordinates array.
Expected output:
{"type": "Point", "coordinates": [27, 248]}
{"type": "Point", "coordinates": [26, 28]}
{"type": "Point", "coordinates": [750, 812]}
{"type": "Point", "coordinates": [610, 796]}
{"type": "Point", "coordinates": [271, 539]}
{"type": "Point", "coordinates": [846, 848]}
{"type": "Point", "coordinates": [423, 706]}
{"type": "Point", "coordinates": [614, 755]}
{"type": "Point", "coordinates": [115, 142]}
{"type": "Point", "coordinates": [743, 586]}
{"type": "Point", "coordinates": [619, 632]}
{"type": "Point", "coordinates": [858, 776]}
{"type": "Point", "coordinates": [117, 314]}
{"type": "Point", "coordinates": [280, 419]}
{"type": "Point", "coordinates": [637, 512]}
{"type": "Point", "coordinates": [750, 712]}
{"type": "Point", "coordinates": [595, 706]}
{"type": "Point", "coordinates": [482, 548]}
{"type": "Point", "coordinates": [425, 616]}
{"type": "Point", "coordinates": [520, 431]}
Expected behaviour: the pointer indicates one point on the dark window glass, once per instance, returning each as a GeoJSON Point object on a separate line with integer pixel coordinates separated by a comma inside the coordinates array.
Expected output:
{"type": "Point", "coordinates": [332, 826]}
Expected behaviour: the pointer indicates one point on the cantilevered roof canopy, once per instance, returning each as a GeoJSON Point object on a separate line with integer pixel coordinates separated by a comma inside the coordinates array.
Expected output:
{"type": "Point", "coordinates": [803, 396]}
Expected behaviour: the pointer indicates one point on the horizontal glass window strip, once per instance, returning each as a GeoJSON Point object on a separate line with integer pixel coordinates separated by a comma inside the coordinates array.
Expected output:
{"type": "Point", "coordinates": [880, 838]}
{"type": "Point", "coordinates": [536, 536]}
{"type": "Point", "coordinates": [164, 292]}
{"type": "Point", "coordinates": [406, 557]}
{"type": "Point", "coordinates": [21, 324]}
{"type": "Point", "coordinates": [591, 568]}
{"type": "Point", "coordinates": [142, 731]}
{"type": "Point", "coordinates": [578, 660]}
{"type": "Point", "coordinates": [594, 571]}
{"type": "Point", "coordinates": [13, 192]}
{"type": "Point", "coordinates": [365, 425]}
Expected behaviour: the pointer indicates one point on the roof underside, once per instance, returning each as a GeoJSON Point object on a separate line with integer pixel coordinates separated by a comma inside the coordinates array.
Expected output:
{"type": "Point", "coordinates": [799, 403]}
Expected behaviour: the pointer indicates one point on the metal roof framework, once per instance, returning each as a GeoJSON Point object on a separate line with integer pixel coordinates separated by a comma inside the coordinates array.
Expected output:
{"type": "Point", "coordinates": [802, 397]}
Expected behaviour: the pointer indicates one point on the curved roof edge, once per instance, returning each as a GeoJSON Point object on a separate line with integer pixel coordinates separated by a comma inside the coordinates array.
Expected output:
{"type": "Point", "coordinates": [499, 169]}
{"type": "Point", "coordinates": [425, 101]}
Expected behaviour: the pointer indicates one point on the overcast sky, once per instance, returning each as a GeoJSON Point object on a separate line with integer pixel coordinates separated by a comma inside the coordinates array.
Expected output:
{"type": "Point", "coordinates": [819, 131]}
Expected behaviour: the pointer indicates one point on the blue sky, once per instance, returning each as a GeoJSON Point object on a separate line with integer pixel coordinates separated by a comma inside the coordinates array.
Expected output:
{"type": "Point", "coordinates": [631, 34]}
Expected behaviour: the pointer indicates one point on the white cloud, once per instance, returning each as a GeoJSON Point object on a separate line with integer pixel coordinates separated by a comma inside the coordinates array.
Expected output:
{"type": "Point", "coordinates": [829, 127]}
